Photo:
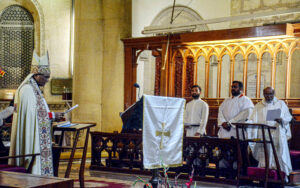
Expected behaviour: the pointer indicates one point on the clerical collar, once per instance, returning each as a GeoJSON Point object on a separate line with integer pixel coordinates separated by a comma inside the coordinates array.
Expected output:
{"type": "Point", "coordinates": [239, 96]}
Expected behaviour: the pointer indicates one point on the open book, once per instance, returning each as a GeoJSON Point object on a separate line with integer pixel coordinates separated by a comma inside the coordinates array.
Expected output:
{"type": "Point", "coordinates": [63, 124]}
{"type": "Point", "coordinates": [273, 114]}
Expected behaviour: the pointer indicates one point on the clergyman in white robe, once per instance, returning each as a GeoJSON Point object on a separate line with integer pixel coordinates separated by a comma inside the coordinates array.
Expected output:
{"type": "Point", "coordinates": [31, 126]}
{"type": "Point", "coordinates": [236, 109]}
{"type": "Point", "coordinates": [196, 116]}
{"type": "Point", "coordinates": [280, 135]}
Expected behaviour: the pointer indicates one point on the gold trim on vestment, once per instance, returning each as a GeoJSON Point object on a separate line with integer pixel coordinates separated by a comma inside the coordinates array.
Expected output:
{"type": "Point", "coordinates": [162, 166]}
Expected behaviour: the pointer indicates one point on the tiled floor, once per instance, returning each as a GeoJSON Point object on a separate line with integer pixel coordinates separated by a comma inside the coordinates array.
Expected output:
{"type": "Point", "coordinates": [123, 178]}
{"type": "Point", "coordinates": [128, 179]}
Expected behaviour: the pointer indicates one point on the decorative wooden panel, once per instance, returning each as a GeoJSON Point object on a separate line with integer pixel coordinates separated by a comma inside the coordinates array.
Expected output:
{"type": "Point", "coordinates": [157, 75]}
{"type": "Point", "coordinates": [179, 74]}
{"type": "Point", "coordinates": [125, 154]}
{"type": "Point", "coordinates": [189, 81]}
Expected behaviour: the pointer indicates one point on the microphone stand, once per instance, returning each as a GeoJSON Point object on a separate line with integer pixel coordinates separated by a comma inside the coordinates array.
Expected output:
{"type": "Point", "coordinates": [139, 94]}
{"type": "Point", "coordinates": [136, 85]}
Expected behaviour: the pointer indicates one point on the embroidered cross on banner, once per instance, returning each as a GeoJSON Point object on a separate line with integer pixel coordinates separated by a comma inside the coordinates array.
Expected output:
{"type": "Point", "coordinates": [162, 134]}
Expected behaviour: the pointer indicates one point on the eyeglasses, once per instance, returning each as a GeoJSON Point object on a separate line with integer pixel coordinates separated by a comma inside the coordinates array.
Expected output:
{"type": "Point", "coordinates": [234, 87]}
{"type": "Point", "coordinates": [268, 94]}
{"type": "Point", "coordinates": [43, 75]}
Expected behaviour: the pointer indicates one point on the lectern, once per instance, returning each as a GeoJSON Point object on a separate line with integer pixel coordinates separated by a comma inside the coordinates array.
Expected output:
{"type": "Point", "coordinates": [132, 118]}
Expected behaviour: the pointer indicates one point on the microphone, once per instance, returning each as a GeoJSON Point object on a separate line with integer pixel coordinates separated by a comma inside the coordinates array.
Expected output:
{"type": "Point", "coordinates": [136, 85]}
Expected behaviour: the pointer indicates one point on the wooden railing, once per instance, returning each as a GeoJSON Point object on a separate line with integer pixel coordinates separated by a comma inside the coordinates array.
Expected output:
{"type": "Point", "coordinates": [124, 153]}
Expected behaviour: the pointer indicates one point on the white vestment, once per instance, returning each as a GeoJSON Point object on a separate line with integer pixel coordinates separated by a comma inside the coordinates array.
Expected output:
{"type": "Point", "coordinates": [196, 113]}
{"type": "Point", "coordinates": [31, 128]}
{"type": "Point", "coordinates": [280, 135]}
{"type": "Point", "coordinates": [233, 110]}
{"type": "Point", "coordinates": [162, 131]}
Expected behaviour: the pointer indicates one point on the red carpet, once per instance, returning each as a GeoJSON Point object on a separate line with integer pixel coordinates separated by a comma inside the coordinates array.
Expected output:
{"type": "Point", "coordinates": [100, 184]}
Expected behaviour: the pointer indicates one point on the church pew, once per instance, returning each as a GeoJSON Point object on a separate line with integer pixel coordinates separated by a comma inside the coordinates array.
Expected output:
{"type": "Point", "coordinates": [295, 129]}
{"type": "Point", "coordinates": [12, 168]}
{"type": "Point", "coordinates": [295, 146]}
{"type": "Point", "coordinates": [14, 179]}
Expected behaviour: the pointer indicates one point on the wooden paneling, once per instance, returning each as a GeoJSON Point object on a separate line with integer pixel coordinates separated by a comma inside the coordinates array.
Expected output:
{"type": "Point", "coordinates": [130, 78]}
{"type": "Point", "coordinates": [295, 129]}
{"type": "Point", "coordinates": [226, 34]}
{"type": "Point", "coordinates": [175, 79]}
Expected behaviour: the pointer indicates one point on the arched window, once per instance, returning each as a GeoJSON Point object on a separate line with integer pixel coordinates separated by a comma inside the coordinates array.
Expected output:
{"type": "Point", "coordinates": [16, 45]}
{"type": "Point", "coordinates": [182, 14]}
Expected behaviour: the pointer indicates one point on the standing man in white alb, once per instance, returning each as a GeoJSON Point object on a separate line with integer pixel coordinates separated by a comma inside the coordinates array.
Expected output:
{"type": "Point", "coordinates": [280, 135]}
{"type": "Point", "coordinates": [196, 114]}
{"type": "Point", "coordinates": [235, 109]}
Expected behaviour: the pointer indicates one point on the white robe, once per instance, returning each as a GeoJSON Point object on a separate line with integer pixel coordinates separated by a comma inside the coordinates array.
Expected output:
{"type": "Point", "coordinates": [196, 113]}
{"type": "Point", "coordinates": [280, 135]}
{"type": "Point", "coordinates": [26, 130]}
{"type": "Point", "coordinates": [233, 110]}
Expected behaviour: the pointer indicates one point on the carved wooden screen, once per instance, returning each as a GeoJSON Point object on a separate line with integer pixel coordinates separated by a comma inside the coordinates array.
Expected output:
{"type": "Point", "coordinates": [178, 76]}
{"type": "Point", "coordinates": [241, 61]}
{"type": "Point", "coordinates": [232, 49]}
{"type": "Point", "coordinates": [259, 72]}
{"type": "Point", "coordinates": [157, 75]}
{"type": "Point", "coordinates": [189, 76]}
{"type": "Point", "coordinates": [16, 45]}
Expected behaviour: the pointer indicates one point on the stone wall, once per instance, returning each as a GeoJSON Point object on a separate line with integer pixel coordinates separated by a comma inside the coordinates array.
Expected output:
{"type": "Point", "coordinates": [243, 7]}
{"type": "Point", "coordinates": [117, 25]}
{"type": "Point", "coordinates": [99, 61]}
{"type": "Point", "coordinates": [144, 12]}
{"type": "Point", "coordinates": [98, 53]}
{"type": "Point", "coordinates": [52, 34]}
{"type": "Point", "coordinates": [88, 61]}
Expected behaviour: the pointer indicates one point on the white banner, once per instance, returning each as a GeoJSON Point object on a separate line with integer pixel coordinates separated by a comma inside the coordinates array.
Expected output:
{"type": "Point", "coordinates": [162, 131]}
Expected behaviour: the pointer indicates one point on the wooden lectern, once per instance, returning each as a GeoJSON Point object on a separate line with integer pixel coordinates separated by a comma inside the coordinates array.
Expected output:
{"type": "Point", "coordinates": [132, 118]}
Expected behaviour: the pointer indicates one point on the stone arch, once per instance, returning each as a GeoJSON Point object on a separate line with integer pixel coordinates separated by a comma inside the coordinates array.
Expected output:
{"type": "Point", "coordinates": [37, 13]}
{"type": "Point", "coordinates": [187, 15]}
{"type": "Point", "coordinates": [17, 44]}
{"type": "Point", "coordinates": [40, 12]}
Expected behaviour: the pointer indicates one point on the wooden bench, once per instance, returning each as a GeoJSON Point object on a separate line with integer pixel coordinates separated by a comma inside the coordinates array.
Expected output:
{"type": "Point", "coordinates": [14, 179]}
{"type": "Point", "coordinates": [295, 129]}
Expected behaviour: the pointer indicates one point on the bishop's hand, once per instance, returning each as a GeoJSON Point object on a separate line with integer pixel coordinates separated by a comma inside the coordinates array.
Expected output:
{"type": "Point", "coordinates": [59, 116]}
